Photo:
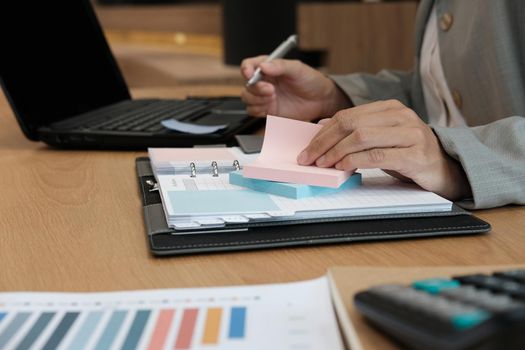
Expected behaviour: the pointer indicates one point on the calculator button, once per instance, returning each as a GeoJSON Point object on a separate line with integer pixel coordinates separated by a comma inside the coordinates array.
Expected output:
{"type": "Point", "coordinates": [514, 289]}
{"type": "Point", "coordinates": [469, 319]}
{"type": "Point", "coordinates": [435, 285]}
{"type": "Point", "coordinates": [496, 284]}
{"type": "Point", "coordinates": [482, 298]}
{"type": "Point", "coordinates": [442, 312]}
{"type": "Point", "coordinates": [480, 280]}
{"type": "Point", "coordinates": [516, 275]}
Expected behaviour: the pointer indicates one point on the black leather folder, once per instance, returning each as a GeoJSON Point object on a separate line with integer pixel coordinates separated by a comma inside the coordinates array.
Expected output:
{"type": "Point", "coordinates": [166, 241]}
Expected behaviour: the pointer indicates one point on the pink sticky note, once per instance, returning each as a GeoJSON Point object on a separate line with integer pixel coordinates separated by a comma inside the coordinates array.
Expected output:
{"type": "Point", "coordinates": [284, 139]}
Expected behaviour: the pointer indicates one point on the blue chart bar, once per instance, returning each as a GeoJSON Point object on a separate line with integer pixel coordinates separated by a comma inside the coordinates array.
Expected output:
{"type": "Point", "coordinates": [35, 331]}
{"type": "Point", "coordinates": [61, 330]}
{"type": "Point", "coordinates": [107, 338]}
{"type": "Point", "coordinates": [86, 330]}
{"type": "Point", "coordinates": [12, 328]}
{"type": "Point", "coordinates": [135, 331]}
{"type": "Point", "coordinates": [237, 322]}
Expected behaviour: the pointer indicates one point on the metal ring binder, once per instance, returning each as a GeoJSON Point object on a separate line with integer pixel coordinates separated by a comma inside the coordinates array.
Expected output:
{"type": "Point", "coordinates": [164, 240]}
{"type": "Point", "coordinates": [215, 169]}
{"type": "Point", "coordinates": [193, 170]}
{"type": "Point", "coordinates": [153, 185]}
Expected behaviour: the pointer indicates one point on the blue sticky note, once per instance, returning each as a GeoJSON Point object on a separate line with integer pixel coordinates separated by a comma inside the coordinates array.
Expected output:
{"type": "Point", "coordinates": [290, 190]}
{"type": "Point", "coordinates": [220, 201]}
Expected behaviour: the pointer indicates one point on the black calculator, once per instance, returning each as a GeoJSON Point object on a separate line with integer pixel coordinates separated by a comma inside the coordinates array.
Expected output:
{"type": "Point", "coordinates": [462, 312]}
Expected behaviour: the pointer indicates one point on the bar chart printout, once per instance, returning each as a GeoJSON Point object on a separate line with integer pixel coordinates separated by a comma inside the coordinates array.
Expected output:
{"type": "Point", "coordinates": [280, 316]}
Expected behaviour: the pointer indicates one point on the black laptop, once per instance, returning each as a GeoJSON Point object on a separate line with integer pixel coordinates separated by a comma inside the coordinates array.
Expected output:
{"type": "Point", "coordinates": [66, 89]}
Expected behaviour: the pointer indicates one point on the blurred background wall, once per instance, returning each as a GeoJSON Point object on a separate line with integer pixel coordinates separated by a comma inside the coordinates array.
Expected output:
{"type": "Point", "coordinates": [174, 42]}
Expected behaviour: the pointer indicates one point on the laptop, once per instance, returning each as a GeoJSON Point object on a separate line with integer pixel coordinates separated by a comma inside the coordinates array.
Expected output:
{"type": "Point", "coordinates": [66, 89]}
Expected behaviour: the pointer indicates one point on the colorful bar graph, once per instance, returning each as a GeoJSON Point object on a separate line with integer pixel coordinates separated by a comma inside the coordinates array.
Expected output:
{"type": "Point", "coordinates": [112, 328]}
{"type": "Point", "coordinates": [13, 327]}
{"type": "Point", "coordinates": [40, 324]}
{"type": "Point", "coordinates": [187, 326]}
{"type": "Point", "coordinates": [136, 329]}
{"type": "Point", "coordinates": [86, 330]}
{"type": "Point", "coordinates": [158, 338]}
{"type": "Point", "coordinates": [212, 326]}
{"type": "Point", "coordinates": [73, 328]}
{"type": "Point", "coordinates": [237, 322]}
{"type": "Point", "coordinates": [61, 330]}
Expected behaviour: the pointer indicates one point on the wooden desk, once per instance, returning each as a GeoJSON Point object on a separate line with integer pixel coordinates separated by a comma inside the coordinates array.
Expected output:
{"type": "Point", "coordinates": [72, 221]}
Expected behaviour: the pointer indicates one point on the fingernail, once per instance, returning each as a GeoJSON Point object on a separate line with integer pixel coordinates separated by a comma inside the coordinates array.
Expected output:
{"type": "Point", "coordinates": [321, 161]}
{"type": "Point", "coordinates": [302, 158]}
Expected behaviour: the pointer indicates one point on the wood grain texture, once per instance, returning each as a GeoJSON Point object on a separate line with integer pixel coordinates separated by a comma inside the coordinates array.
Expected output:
{"type": "Point", "coordinates": [187, 18]}
{"type": "Point", "coordinates": [72, 221]}
{"type": "Point", "coordinates": [357, 37]}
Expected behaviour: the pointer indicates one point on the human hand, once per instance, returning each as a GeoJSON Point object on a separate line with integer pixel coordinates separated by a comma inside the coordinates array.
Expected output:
{"type": "Point", "coordinates": [290, 89]}
{"type": "Point", "coordinates": [390, 136]}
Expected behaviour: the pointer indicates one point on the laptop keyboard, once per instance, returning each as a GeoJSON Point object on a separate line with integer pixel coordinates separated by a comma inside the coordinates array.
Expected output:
{"type": "Point", "coordinates": [139, 115]}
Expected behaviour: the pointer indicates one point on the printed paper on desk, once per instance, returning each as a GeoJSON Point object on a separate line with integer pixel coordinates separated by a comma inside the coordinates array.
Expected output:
{"type": "Point", "coordinates": [283, 141]}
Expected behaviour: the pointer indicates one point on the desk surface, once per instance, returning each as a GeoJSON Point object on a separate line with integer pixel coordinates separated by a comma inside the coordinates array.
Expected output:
{"type": "Point", "coordinates": [72, 221]}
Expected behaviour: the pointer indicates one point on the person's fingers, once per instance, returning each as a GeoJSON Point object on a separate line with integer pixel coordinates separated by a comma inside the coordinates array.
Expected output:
{"type": "Point", "coordinates": [252, 99]}
{"type": "Point", "coordinates": [393, 159]}
{"type": "Point", "coordinates": [369, 138]}
{"type": "Point", "coordinates": [248, 65]}
{"type": "Point", "coordinates": [279, 67]}
{"type": "Point", "coordinates": [262, 88]}
{"type": "Point", "coordinates": [343, 124]}
{"type": "Point", "coordinates": [324, 121]}
{"type": "Point", "coordinates": [377, 106]}
{"type": "Point", "coordinates": [257, 111]}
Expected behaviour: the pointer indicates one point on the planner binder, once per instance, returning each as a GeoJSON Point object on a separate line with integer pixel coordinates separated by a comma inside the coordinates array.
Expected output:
{"type": "Point", "coordinates": [164, 240]}
{"type": "Point", "coordinates": [195, 161]}
{"type": "Point", "coordinates": [192, 169]}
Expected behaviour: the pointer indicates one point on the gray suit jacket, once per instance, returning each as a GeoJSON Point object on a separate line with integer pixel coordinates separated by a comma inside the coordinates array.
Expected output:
{"type": "Point", "coordinates": [483, 58]}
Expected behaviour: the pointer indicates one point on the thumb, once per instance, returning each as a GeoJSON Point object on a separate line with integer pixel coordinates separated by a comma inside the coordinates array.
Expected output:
{"type": "Point", "coordinates": [281, 67]}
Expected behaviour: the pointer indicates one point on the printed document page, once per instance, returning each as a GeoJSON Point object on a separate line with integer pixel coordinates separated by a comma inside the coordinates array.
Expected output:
{"type": "Point", "coordinates": [286, 316]}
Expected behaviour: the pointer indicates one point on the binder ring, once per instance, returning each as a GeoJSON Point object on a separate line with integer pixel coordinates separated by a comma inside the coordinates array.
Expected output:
{"type": "Point", "coordinates": [193, 170]}
{"type": "Point", "coordinates": [236, 164]}
{"type": "Point", "coordinates": [215, 169]}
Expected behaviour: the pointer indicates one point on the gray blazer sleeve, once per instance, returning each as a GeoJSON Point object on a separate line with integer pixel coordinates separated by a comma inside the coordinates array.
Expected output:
{"type": "Point", "coordinates": [365, 88]}
{"type": "Point", "coordinates": [493, 157]}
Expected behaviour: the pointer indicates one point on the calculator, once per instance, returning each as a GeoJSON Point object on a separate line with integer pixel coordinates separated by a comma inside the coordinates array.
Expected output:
{"type": "Point", "coordinates": [476, 311]}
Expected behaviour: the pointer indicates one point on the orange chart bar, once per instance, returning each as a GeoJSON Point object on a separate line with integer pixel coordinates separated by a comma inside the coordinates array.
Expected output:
{"type": "Point", "coordinates": [212, 326]}
{"type": "Point", "coordinates": [158, 338]}
{"type": "Point", "coordinates": [187, 326]}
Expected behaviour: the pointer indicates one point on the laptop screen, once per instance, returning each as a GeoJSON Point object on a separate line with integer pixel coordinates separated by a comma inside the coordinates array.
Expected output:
{"type": "Point", "coordinates": [55, 62]}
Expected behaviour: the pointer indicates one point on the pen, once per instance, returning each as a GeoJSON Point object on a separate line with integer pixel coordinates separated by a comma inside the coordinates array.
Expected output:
{"type": "Point", "coordinates": [279, 52]}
